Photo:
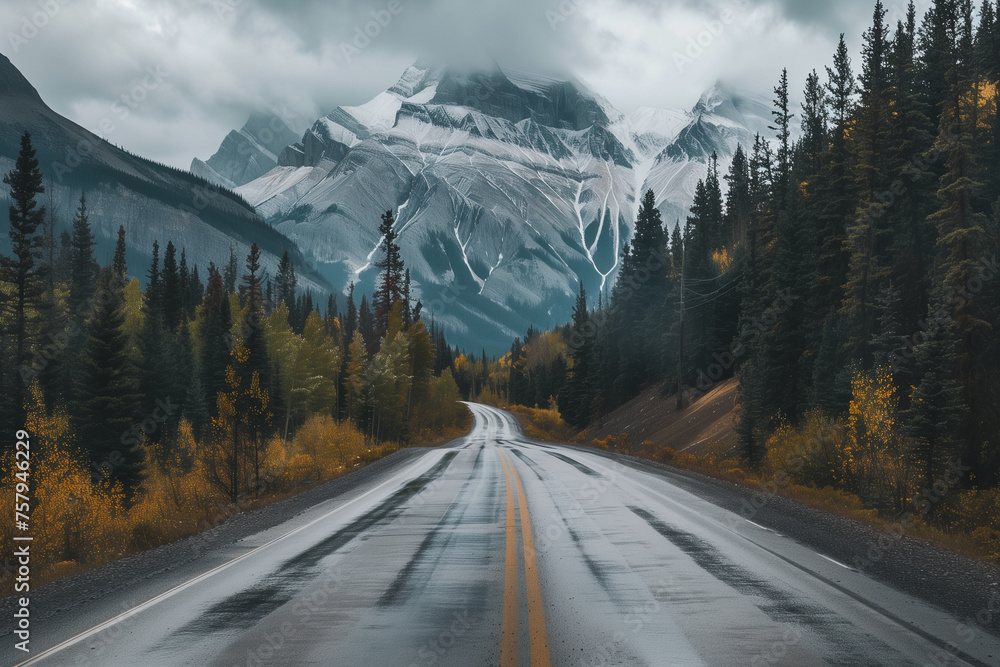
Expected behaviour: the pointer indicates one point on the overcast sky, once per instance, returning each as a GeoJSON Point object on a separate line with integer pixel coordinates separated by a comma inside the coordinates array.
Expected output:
{"type": "Point", "coordinates": [218, 59]}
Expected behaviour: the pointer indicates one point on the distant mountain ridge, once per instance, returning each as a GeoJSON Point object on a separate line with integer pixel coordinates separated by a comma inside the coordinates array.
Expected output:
{"type": "Point", "coordinates": [509, 187]}
{"type": "Point", "coordinates": [152, 201]}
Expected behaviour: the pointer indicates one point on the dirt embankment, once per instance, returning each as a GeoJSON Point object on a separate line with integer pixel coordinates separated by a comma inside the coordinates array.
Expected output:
{"type": "Point", "coordinates": [703, 426]}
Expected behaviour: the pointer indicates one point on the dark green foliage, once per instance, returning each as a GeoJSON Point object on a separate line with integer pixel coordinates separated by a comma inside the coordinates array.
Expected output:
{"type": "Point", "coordinates": [23, 276]}
{"type": "Point", "coordinates": [576, 401]}
{"type": "Point", "coordinates": [173, 305]}
{"type": "Point", "coordinates": [106, 405]}
{"type": "Point", "coordinates": [252, 296]}
{"type": "Point", "coordinates": [936, 408]}
{"type": "Point", "coordinates": [833, 246]}
{"type": "Point", "coordinates": [216, 339]}
{"type": "Point", "coordinates": [83, 269]}
{"type": "Point", "coordinates": [231, 271]}
{"type": "Point", "coordinates": [119, 265]}
{"type": "Point", "coordinates": [391, 278]}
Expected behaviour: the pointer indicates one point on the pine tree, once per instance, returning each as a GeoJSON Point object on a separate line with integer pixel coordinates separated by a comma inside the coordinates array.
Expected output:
{"type": "Point", "coordinates": [23, 278]}
{"type": "Point", "coordinates": [196, 291]}
{"type": "Point", "coordinates": [961, 235]}
{"type": "Point", "coordinates": [354, 383]}
{"type": "Point", "coordinates": [185, 285]}
{"type": "Point", "coordinates": [836, 186]}
{"type": "Point", "coordinates": [910, 141]}
{"type": "Point", "coordinates": [366, 325]}
{"type": "Point", "coordinates": [936, 408]}
{"type": "Point", "coordinates": [285, 283]}
{"type": "Point", "coordinates": [739, 205]}
{"type": "Point", "coordinates": [215, 337]}
{"type": "Point", "coordinates": [253, 299]}
{"type": "Point", "coordinates": [83, 273]}
{"type": "Point", "coordinates": [172, 291]}
{"type": "Point", "coordinates": [107, 393]}
{"type": "Point", "coordinates": [154, 284]}
{"type": "Point", "coordinates": [867, 238]}
{"type": "Point", "coordinates": [231, 271]}
{"type": "Point", "coordinates": [390, 287]}
{"type": "Point", "coordinates": [577, 398]}
{"type": "Point", "coordinates": [814, 122]}
{"type": "Point", "coordinates": [351, 323]}
{"type": "Point", "coordinates": [783, 126]}
{"type": "Point", "coordinates": [119, 265]}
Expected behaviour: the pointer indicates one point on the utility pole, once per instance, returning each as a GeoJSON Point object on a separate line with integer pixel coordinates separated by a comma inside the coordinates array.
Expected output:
{"type": "Point", "coordinates": [680, 347]}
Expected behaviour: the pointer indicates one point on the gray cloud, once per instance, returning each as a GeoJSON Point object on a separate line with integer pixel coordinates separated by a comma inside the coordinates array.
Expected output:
{"type": "Point", "coordinates": [226, 57]}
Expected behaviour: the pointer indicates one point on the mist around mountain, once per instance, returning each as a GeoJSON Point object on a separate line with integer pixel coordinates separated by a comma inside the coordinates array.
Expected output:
{"type": "Point", "coordinates": [154, 202]}
{"type": "Point", "coordinates": [510, 188]}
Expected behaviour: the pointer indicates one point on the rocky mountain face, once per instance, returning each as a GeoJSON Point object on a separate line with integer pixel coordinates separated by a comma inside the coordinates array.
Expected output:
{"type": "Point", "coordinates": [152, 201]}
{"type": "Point", "coordinates": [509, 189]}
{"type": "Point", "coordinates": [248, 153]}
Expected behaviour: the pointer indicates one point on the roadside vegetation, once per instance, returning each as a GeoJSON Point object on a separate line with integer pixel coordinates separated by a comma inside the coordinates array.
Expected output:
{"type": "Point", "coordinates": [159, 408]}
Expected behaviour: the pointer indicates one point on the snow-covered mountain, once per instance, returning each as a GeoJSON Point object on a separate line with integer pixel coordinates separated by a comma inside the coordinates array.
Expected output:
{"type": "Point", "coordinates": [509, 188]}
{"type": "Point", "coordinates": [152, 201]}
{"type": "Point", "coordinates": [247, 153]}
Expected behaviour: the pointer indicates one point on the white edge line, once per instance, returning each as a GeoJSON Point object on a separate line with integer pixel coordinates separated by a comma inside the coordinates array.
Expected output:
{"type": "Point", "coordinates": [201, 577]}
{"type": "Point", "coordinates": [835, 562]}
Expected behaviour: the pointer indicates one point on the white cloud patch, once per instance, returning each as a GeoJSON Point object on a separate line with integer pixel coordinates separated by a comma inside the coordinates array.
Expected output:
{"type": "Point", "coordinates": [91, 59]}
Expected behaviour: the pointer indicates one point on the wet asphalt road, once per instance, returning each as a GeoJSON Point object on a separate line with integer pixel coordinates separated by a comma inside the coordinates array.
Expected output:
{"type": "Point", "coordinates": [501, 551]}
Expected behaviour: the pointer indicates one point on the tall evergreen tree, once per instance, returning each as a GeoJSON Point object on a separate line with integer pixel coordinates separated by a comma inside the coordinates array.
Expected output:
{"type": "Point", "coordinates": [783, 126]}
{"type": "Point", "coordinates": [868, 238]}
{"type": "Point", "coordinates": [106, 405]}
{"type": "Point", "coordinates": [390, 286]}
{"type": "Point", "coordinates": [252, 294]}
{"type": "Point", "coordinates": [231, 272]}
{"type": "Point", "coordinates": [366, 325]}
{"type": "Point", "coordinates": [119, 264]}
{"type": "Point", "coordinates": [83, 273]}
{"type": "Point", "coordinates": [215, 338]}
{"type": "Point", "coordinates": [285, 282]}
{"type": "Point", "coordinates": [172, 291]}
{"type": "Point", "coordinates": [577, 398]}
{"type": "Point", "coordinates": [23, 278]}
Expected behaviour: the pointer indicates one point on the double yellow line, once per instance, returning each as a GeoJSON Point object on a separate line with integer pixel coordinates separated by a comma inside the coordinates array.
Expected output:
{"type": "Point", "coordinates": [537, 635]}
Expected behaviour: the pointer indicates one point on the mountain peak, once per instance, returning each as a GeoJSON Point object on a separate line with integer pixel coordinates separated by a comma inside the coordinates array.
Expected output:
{"type": "Point", "coordinates": [726, 100]}
{"type": "Point", "coordinates": [13, 84]}
{"type": "Point", "coordinates": [718, 95]}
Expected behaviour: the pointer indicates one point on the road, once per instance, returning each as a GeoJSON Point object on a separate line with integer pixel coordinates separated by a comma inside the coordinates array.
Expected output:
{"type": "Point", "coordinates": [498, 550]}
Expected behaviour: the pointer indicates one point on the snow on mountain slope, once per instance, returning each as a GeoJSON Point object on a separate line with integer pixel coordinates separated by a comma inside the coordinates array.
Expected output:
{"type": "Point", "coordinates": [720, 121]}
{"type": "Point", "coordinates": [509, 188]}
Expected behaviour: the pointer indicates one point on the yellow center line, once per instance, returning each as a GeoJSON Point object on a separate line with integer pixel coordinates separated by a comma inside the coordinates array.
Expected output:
{"type": "Point", "coordinates": [537, 634]}
{"type": "Point", "coordinates": [508, 641]}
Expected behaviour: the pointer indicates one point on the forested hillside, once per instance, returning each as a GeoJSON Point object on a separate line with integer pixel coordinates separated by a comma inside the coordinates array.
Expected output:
{"type": "Point", "coordinates": [848, 279]}
{"type": "Point", "coordinates": [160, 407]}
